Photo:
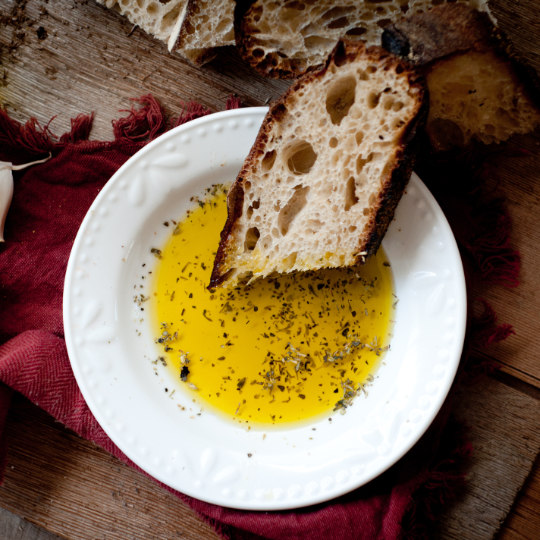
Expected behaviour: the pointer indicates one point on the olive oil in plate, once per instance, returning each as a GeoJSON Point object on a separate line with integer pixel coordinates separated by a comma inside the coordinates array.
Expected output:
{"type": "Point", "coordinates": [277, 351]}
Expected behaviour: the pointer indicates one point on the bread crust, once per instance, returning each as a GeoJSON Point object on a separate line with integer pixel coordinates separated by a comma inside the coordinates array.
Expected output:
{"type": "Point", "coordinates": [398, 177]}
{"type": "Point", "coordinates": [450, 29]}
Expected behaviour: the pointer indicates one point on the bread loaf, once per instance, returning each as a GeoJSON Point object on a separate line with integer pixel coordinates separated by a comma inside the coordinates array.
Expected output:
{"type": "Point", "coordinates": [283, 39]}
{"type": "Point", "coordinates": [327, 169]}
{"type": "Point", "coordinates": [478, 89]}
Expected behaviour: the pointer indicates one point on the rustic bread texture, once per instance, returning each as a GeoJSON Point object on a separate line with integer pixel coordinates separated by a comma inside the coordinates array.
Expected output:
{"type": "Point", "coordinates": [283, 39]}
{"type": "Point", "coordinates": [329, 165]}
{"type": "Point", "coordinates": [154, 17]}
{"type": "Point", "coordinates": [193, 28]}
{"type": "Point", "coordinates": [478, 90]}
{"type": "Point", "coordinates": [207, 26]}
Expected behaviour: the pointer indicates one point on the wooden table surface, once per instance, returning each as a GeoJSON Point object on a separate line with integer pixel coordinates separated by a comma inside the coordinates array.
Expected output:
{"type": "Point", "coordinates": [65, 57]}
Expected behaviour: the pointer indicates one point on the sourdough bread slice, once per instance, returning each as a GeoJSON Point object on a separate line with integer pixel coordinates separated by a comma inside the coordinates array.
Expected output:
{"type": "Point", "coordinates": [207, 26]}
{"type": "Point", "coordinates": [283, 39]}
{"type": "Point", "coordinates": [193, 28]}
{"type": "Point", "coordinates": [478, 88]}
{"type": "Point", "coordinates": [158, 19]}
{"type": "Point", "coordinates": [327, 169]}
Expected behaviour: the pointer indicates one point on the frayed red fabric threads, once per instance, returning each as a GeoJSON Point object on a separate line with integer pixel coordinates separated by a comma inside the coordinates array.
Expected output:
{"type": "Point", "coordinates": [81, 126]}
{"type": "Point", "coordinates": [19, 142]}
{"type": "Point", "coordinates": [142, 124]}
{"type": "Point", "coordinates": [491, 247]}
{"type": "Point", "coordinates": [484, 330]}
{"type": "Point", "coordinates": [233, 102]}
{"type": "Point", "coordinates": [190, 112]}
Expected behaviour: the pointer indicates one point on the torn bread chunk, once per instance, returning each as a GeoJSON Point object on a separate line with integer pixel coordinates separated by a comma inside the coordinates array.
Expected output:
{"type": "Point", "coordinates": [207, 26]}
{"type": "Point", "coordinates": [153, 16]}
{"type": "Point", "coordinates": [283, 39]}
{"type": "Point", "coordinates": [327, 169]}
{"type": "Point", "coordinates": [478, 89]}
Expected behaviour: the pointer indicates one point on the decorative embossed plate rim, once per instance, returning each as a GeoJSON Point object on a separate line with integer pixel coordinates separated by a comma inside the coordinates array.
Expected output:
{"type": "Point", "coordinates": [112, 351]}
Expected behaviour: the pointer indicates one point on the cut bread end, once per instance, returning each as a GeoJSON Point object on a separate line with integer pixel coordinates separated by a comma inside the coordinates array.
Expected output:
{"type": "Point", "coordinates": [328, 167]}
{"type": "Point", "coordinates": [479, 90]}
{"type": "Point", "coordinates": [205, 28]}
{"type": "Point", "coordinates": [156, 18]}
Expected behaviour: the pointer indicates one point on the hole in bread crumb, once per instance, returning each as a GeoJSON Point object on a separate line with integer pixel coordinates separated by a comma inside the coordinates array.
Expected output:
{"type": "Point", "coordinates": [268, 160]}
{"type": "Point", "coordinates": [350, 193]}
{"type": "Point", "coordinates": [356, 31]}
{"type": "Point", "coordinates": [253, 206]}
{"type": "Point", "coordinates": [292, 208]}
{"type": "Point", "coordinates": [333, 142]}
{"type": "Point", "coordinates": [352, 228]}
{"type": "Point", "coordinates": [301, 157]}
{"type": "Point", "coordinates": [289, 261]}
{"type": "Point", "coordinates": [342, 22]}
{"type": "Point", "coordinates": [360, 162]}
{"type": "Point", "coordinates": [152, 9]}
{"type": "Point", "coordinates": [313, 225]}
{"type": "Point", "coordinates": [317, 42]}
{"type": "Point", "coordinates": [373, 100]}
{"type": "Point", "coordinates": [247, 185]}
{"type": "Point", "coordinates": [252, 237]}
{"type": "Point", "coordinates": [257, 53]}
{"type": "Point", "coordinates": [340, 98]}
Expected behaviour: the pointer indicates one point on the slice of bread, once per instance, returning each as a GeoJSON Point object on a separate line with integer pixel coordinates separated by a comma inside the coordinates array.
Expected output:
{"type": "Point", "coordinates": [478, 89]}
{"type": "Point", "coordinates": [327, 169]}
{"type": "Point", "coordinates": [154, 17]}
{"type": "Point", "coordinates": [207, 25]}
{"type": "Point", "coordinates": [193, 28]}
{"type": "Point", "coordinates": [283, 39]}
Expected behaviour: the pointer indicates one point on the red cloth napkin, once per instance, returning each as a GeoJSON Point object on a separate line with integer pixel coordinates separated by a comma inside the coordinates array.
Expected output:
{"type": "Point", "coordinates": [49, 203]}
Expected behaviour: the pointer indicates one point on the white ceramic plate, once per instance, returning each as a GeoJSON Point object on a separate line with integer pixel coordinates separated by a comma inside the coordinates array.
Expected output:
{"type": "Point", "coordinates": [111, 346]}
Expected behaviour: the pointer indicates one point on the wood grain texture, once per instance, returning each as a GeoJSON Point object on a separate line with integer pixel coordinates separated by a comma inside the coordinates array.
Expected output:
{"type": "Point", "coordinates": [524, 521]}
{"type": "Point", "coordinates": [517, 179]}
{"type": "Point", "coordinates": [504, 450]}
{"type": "Point", "coordinates": [13, 527]}
{"type": "Point", "coordinates": [66, 57]}
{"type": "Point", "coordinates": [74, 489]}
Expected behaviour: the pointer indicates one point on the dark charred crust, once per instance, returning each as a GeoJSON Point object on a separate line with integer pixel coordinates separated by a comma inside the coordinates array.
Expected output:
{"type": "Point", "coordinates": [438, 32]}
{"type": "Point", "coordinates": [399, 177]}
{"type": "Point", "coordinates": [235, 203]}
{"type": "Point", "coordinates": [451, 29]}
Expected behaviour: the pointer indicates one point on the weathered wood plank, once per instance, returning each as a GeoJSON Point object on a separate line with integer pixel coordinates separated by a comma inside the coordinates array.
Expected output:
{"type": "Point", "coordinates": [13, 527]}
{"type": "Point", "coordinates": [74, 489]}
{"type": "Point", "coordinates": [503, 430]}
{"type": "Point", "coordinates": [524, 521]}
{"type": "Point", "coordinates": [86, 58]}
{"type": "Point", "coordinates": [518, 180]}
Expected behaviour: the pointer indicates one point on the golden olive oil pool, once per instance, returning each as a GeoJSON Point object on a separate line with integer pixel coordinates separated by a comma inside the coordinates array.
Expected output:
{"type": "Point", "coordinates": [278, 351]}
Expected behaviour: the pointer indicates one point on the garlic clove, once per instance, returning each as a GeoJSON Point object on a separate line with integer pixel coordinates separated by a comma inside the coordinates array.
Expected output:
{"type": "Point", "coordinates": [6, 188]}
